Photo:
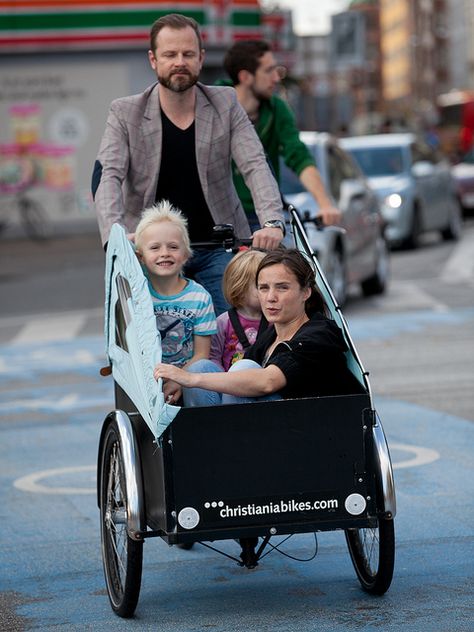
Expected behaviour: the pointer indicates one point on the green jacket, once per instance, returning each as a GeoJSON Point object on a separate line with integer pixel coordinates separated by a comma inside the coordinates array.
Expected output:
{"type": "Point", "coordinates": [276, 128]}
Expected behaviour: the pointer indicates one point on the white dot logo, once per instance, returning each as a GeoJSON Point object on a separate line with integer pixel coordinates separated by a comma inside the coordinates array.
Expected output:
{"type": "Point", "coordinates": [213, 504]}
{"type": "Point", "coordinates": [355, 504]}
{"type": "Point", "coordinates": [188, 518]}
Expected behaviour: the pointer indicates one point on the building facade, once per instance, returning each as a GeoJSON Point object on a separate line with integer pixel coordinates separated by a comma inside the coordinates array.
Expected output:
{"type": "Point", "coordinates": [61, 64]}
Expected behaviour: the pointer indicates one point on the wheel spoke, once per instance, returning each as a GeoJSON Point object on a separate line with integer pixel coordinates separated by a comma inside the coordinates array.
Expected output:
{"type": "Point", "coordinates": [115, 508]}
{"type": "Point", "coordinates": [370, 546]}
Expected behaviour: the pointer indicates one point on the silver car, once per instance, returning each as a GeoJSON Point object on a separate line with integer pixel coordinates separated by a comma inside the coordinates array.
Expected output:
{"type": "Point", "coordinates": [463, 174]}
{"type": "Point", "coordinates": [355, 252]}
{"type": "Point", "coordinates": [414, 184]}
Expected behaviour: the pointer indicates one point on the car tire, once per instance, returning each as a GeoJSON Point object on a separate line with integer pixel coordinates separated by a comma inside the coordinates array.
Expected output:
{"type": "Point", "coordinates": [453, 230]}
{"type": "Point", "coordinates": [413, 240]}
{"type": "Point", "coordinates": [377, 283]}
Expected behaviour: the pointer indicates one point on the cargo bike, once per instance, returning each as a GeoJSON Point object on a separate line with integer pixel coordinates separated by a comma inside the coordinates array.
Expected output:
{"type": "Point", "coordinates": [245, 472]}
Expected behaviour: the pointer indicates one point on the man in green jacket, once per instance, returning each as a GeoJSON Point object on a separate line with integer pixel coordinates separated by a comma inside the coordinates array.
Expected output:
{"type": "Point", "coordinates": [253, 71]}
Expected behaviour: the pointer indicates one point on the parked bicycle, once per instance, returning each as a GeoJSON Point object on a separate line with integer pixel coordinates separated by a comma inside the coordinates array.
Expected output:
{"type": "Point", "coordinates": [18, 178]}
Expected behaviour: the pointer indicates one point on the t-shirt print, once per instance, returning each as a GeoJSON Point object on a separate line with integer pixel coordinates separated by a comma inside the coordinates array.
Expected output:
{"type": "Point", "coordinates": [176, 328]}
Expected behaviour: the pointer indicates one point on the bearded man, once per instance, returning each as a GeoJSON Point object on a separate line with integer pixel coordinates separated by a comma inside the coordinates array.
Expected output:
{"type": "Point", "coordinates": [176, 141]}
{"type": "Point", "coordinates": [256, 75]}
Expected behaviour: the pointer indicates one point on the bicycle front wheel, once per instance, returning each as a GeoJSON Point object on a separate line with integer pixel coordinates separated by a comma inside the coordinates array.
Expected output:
{"type": "Point", "coordinates": [373, 555]}
{"type": "Point", "coordinates": [122, 557]}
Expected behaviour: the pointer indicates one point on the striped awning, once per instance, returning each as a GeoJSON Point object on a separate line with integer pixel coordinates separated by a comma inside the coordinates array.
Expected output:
{"type": "Point", "coordinates": [39, 25]}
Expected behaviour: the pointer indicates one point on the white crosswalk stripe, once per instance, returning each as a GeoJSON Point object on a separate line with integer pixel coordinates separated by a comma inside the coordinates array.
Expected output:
{"type": "Point", "coordinates": [44, 328]}
{"type": "Point", "coordinates": [460, 266]}
{"type": "Point", "coordinates": [47, 330]}
{"type": "Point", "coordinates": [408, 296]}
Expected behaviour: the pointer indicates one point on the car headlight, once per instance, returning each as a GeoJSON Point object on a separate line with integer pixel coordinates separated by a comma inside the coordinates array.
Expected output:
{"type": "Point", "coordinates": [394, 200]}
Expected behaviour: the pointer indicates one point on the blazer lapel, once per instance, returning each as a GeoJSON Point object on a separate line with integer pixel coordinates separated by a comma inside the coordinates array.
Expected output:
{"type": "Point", "coordinates": [204, 125]}
{"type": "Point", "coordinates": [152, 136]}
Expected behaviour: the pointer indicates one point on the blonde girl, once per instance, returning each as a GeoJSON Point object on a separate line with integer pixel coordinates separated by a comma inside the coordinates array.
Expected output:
{"type": "Point", "coordinates": [238, 328]}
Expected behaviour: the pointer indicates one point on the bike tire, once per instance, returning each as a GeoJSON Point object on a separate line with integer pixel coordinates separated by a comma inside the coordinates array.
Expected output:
{"type": "Point", "coordinates": [122, 557]}
{"type": "Point", "coordinates": [372, 552]}
{"type": "Point", "coordinates": [34, 220]}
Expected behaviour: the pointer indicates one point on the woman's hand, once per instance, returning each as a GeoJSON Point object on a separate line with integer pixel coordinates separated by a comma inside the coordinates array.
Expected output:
{"type": "Point", "coordinates": [172, 391]}
{"type": "Point", "coordinates": [171, 372]}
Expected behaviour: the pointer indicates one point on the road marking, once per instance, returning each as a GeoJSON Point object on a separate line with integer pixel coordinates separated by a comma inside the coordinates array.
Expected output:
{"type": "Point", "coordinates": [460, 266]}
{"type": "Point", "coordinates": [55, 356]}
{"type": "Point", "coordinates": [408, 296]}
{"type": "Point", "coordinates": [91, 396]}
{"type": "Point", "coordinates": [423, 456]}
{"type": "Point", "coordinates": [64, 327]}
{"type": "Point", "coordinates": [24, 319]}
{"type": "Point", "coordinates": [31, 482]}
{"type": "Point", "coordinates": [65, 403]}
{"type": "Point", "coordinates": [386, 326]}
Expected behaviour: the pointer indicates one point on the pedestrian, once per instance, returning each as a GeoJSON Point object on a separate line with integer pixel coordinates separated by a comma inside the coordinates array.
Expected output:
{"type": "Point", "coordinates": [183, 309]}
{"type": "Point", "coordinates": [243, 323]}
{"type": "Point", "coordinates": [255, 74]}
{"type": "Point", "coordinates": [175, 141]}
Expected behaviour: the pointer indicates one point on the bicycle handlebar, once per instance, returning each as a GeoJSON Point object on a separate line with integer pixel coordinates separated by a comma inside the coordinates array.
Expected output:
{"type": "Point", "coordinates": [317, 221]}
{"type": "Point", "coordinates": [224, 237]}
{"type": "Point", "coordinates": [305, 217]}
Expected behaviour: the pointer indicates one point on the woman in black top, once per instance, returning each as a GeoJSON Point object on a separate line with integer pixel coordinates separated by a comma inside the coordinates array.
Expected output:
{"type": "Point", "coordinates": [301, 354]}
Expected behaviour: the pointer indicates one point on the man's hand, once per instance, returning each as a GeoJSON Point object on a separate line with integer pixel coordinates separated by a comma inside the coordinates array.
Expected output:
{"type": "Point", "coordinates": [267, 238]}
{"type": "Point", "coordinates": [330, 215]}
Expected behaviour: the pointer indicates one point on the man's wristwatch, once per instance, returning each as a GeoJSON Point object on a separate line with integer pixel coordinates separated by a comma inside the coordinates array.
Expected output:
{"type": "Point", "coordinates": [276, 223]}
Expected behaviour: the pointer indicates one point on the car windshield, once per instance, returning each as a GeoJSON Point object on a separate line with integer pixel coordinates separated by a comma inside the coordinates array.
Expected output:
{"type": "Point", "coordinates": [379, 161]}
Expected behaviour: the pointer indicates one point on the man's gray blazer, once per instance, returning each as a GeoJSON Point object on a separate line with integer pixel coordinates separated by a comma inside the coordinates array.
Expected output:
{"type": "Point", "coordinates": [128, 162]}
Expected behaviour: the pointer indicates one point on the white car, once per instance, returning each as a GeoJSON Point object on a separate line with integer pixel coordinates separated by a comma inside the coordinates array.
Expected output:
{"type": "Point", "coordinates": [414, 184]}
{"type": "Point", "coordinates": [356, 251]}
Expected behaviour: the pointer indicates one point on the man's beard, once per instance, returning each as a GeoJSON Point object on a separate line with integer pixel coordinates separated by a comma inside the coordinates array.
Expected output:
{"type": "Point", "coordinates": [179, 82]}
{"type": "Point", "coordinates": [260, 96]}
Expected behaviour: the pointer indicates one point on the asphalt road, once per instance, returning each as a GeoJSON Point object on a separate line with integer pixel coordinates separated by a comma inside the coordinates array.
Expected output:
{"type": "Point", "coordinates": [416, 342]}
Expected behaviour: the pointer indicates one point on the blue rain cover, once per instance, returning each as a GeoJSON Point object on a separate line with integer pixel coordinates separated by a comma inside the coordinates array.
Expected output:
{"type": "Point", "coordinates": [133, 358]}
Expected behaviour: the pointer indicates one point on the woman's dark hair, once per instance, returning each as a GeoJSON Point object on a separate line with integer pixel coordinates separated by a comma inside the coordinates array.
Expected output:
{"type": "Point", "coordinates": [173, 21]}
{"type": "Point", "coordinates": [299, 266]}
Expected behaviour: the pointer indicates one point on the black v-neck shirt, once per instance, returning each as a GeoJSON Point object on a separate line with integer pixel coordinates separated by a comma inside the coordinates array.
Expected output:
{"type": "Point", "coordinates": [178, 181]}
{"type": "Point", "coordinates": [313, 361]}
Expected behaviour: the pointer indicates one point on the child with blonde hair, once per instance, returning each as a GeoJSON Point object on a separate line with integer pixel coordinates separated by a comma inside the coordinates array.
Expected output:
{"type": "Point", "coordinates": [238, 328]}
{"type": "Point", "coordinates": [183, 309]}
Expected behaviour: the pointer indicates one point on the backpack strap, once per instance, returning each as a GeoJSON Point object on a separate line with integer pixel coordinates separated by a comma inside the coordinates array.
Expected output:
{"type": "Point", "coordinates": [262, 327]}
{"type": "Point", "coordinates": [239, 330]}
